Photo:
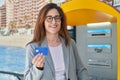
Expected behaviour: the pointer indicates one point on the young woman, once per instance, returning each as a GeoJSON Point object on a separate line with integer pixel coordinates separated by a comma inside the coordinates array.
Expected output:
{"type": "Point", "coordinates": [63, 61]}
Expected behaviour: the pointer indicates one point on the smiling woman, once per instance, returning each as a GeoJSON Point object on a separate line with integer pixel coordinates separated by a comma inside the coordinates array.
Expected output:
{"type": "Point", "coordinates": [62, 61]}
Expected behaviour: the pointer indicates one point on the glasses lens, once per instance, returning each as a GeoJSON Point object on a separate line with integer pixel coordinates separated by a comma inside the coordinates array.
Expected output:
{"type": "Point", "coordinates": [57, 18]}
{"type": "Point", "coordinates": [49, 18]}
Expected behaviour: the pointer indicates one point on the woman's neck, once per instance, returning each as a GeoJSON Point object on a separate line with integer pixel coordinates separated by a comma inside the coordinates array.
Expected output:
{"type": "Point", "coordinates": [53, 40]}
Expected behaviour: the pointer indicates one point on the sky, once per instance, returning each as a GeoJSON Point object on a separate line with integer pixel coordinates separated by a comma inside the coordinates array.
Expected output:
{"type": "Point", "coordinates": [1, 2]}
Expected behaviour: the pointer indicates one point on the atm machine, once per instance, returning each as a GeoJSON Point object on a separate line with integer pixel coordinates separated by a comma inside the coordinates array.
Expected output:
{"type": "Point", "coordinates": [72, 32]}
{"type": "Point", "coordinates": [97, 45]}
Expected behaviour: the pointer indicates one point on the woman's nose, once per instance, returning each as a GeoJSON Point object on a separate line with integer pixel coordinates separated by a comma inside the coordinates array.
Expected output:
{"type": "Point", "coordinates": [53, 20]}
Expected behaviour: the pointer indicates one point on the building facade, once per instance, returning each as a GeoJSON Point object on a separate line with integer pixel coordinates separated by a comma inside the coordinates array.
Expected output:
{"type": "Point", "coordinates": [22, 13]}
{"type": "Point", "coordinates": [26, 11]}
{"type": "Point", "coordinates": [9, 13]}
{"type": "Point", "coordinates": [2, 16]}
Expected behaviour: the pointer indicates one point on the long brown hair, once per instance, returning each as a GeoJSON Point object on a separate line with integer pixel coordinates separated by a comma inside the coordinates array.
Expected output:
{"type": "Point", "coordinates": [39, 31]}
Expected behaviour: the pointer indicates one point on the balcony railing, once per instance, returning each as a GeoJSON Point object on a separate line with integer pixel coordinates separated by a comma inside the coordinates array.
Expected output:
{"type": "Point", "coordinates": [19, 76]}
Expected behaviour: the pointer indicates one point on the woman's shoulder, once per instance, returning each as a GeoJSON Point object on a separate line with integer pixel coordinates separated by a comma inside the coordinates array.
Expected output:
{"type": "Point", "coordinates": [72, 41]}
{"type": "Point", "coordinates": [33, 44]}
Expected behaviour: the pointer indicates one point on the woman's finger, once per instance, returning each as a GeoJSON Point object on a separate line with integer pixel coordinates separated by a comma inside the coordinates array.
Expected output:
{"type": "Point", "coordinates": [38, 61]}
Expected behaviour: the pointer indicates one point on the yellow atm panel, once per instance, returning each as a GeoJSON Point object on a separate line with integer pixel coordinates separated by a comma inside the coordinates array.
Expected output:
{"type": "Point", "coordinates": [82, 12]}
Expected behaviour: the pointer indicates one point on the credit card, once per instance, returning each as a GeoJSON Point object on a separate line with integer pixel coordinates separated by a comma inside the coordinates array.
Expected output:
{"type": "Point", "coordinates": [40, 50]}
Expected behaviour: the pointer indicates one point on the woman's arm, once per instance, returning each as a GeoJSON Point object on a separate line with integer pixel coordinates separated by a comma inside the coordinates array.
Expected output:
{"type": "Point", "coordinates": [82, 73]}
{"type": "Point", "coordinates": [31, 72]}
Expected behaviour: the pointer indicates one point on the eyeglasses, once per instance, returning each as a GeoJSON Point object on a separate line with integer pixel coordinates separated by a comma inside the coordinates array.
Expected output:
{"type": "Point", "coordinates": [50, 18]}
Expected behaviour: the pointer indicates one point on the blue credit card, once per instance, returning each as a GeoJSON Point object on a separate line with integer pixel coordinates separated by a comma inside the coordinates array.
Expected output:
{"type": "Point", "coordinates": [40, 50]}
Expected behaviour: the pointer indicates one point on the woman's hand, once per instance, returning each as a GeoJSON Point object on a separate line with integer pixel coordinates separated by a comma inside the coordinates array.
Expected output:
{"type": "Point", "coordinates": [38, 60]}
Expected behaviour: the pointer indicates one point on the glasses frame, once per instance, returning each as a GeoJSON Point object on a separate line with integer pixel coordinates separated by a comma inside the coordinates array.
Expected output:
{"type": "Point", "coordinates": [56, 18]}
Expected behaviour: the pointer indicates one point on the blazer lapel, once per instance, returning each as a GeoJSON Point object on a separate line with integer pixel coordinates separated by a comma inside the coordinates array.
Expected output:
{"type": "Point", "coordinates": [66, 57]}
{"type": "Point", "coordinates": [48, 59]}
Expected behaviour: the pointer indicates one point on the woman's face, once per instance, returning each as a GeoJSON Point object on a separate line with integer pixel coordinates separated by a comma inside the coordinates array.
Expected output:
{"type": "Point", "coordinates": [52, 22]}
